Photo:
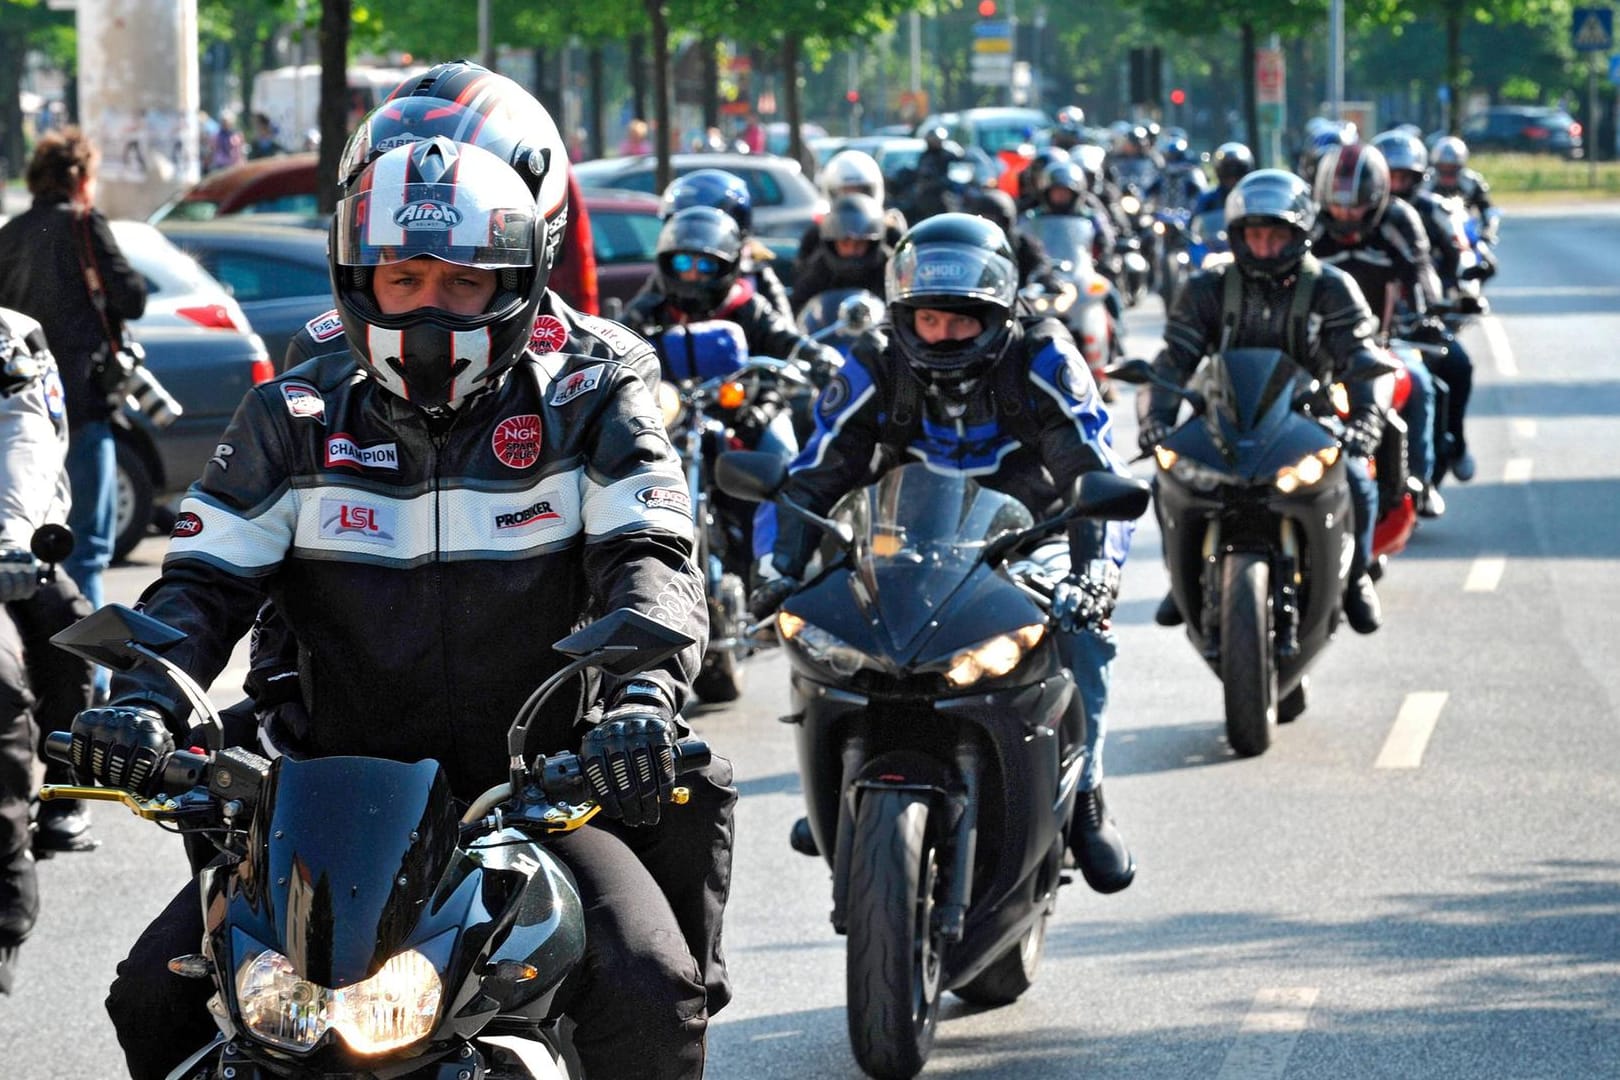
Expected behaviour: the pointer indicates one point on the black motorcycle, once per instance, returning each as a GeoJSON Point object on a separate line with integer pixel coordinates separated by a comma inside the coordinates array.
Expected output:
{"type": "Point", "coordinates": [929, 703]}
{"type": "Point", "coordinates": [726, 398]}
{"type": "Point", "coordinates": [1255, 508]}
{"type": "Point", "coordinates": [406, 944]}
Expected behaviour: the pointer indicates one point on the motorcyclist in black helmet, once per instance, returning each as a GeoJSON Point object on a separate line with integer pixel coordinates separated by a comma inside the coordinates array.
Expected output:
{"type": "Point", "coordinates": [852, 252]}
{"type": "Point", "coordinates": [1064, 189]}
{"type": "Point", "coordinates": [1251, 303]}
{"type": "Point", "coordinates": [1231, 162]}
{"type": "Point", "coordinates": [930, 179]}
{"type": "Point", "coordinates": [1070, 129]}
{"type": "Point", "coordinates": [1451, 178]}
{"type": "Point", "coordinates": [729, 192]}
{"type": "Point", "coordinates": [1181, 181]}
{"type": "Point", "coordinates": [955, 379]}
{"type": "Point", "coordinates": [996, 206]}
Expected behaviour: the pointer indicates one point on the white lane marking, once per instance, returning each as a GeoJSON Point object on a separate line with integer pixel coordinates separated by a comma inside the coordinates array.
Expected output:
{"type": "Point", "coordinates": [1517, 471]}
{"type": "Point", "coordinates": [1413, 726]}
{"type": "Point", "coordinates": [1524, 429]}
{"type": "Point", "coordinates": [1266, 1040]}
{"type": "Point", "coordinates": [1486, 574]}
{"type": "Point", "coordinates": [1497, 340]}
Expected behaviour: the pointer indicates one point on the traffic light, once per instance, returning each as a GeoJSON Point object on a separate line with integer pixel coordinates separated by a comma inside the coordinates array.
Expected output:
{"type": "Point", "coordinates": [1178, 96]}
{"type": "Point", "coordinates": [853, 97]}
{"type": "Point", "coordinates": [987, 9]}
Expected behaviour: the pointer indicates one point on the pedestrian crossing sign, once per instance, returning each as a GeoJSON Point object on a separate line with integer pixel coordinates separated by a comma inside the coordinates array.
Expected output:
{"type": "Point", "coordinates": [1592, 29]}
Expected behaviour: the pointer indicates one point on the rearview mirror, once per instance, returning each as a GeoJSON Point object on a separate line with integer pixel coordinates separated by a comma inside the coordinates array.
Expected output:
{"type": "Point", "coordinates": [1111, 496]}
{"type": "Point", "coordinates": [116, 637]}
{"type": "Point", "coordinates": [1139, 372]}
{"type": "Point", "coordinates": [629, 641]}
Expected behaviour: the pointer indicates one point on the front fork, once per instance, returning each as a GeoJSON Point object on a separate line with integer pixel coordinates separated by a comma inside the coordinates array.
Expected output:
{"type": "Point", "coordinates": [1285, 590]}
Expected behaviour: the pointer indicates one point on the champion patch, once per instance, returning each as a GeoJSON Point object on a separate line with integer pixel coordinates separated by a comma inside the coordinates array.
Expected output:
{"type": "Point", "coordinates": [535, 516]}
{"type": "Point", "coordinates": [342, 450]}
{"type": "Point", "coordinates": [549, 334]}
{"type": "Point", "coordinates": [186, 525]}
{"type": "Point", "coordinates": [516, 441]}
{"type": "Point", "coordinates": [345, 520]}
{"type": "Point", "coordinates": [325, 327]}
{"type": "Point", "coordinates": [304, 400]}
{"type": "Point", "coordinates": [661, 498]}
{"type": "Point", "coordinates": [579, 382]}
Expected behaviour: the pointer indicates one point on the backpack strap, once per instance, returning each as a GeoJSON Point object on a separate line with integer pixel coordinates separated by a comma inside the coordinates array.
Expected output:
{"type": "Point", "coordinates": [1231, 304]}
{"type": "Point", "coordinates": [1299, 310]}
{"type": "Point", "coordinates": [905, 414]}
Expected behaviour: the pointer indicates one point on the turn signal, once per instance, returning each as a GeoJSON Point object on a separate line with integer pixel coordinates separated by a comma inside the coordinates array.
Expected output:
{"type": "Point", "coordinates": [731, 395]}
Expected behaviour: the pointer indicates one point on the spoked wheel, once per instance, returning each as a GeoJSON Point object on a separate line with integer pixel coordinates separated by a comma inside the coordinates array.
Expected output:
{"type": "Point", "coordinates": [894, 962]}
{"type": "Point", "coordinates": [1248, 669]}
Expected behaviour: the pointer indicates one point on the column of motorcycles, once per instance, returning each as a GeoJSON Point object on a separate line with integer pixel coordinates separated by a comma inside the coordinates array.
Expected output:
{"type": "Point", "coordinates": [927, 699]}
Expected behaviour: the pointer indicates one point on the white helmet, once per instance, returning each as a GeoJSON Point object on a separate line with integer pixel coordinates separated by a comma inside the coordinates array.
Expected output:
{"type": "Point", "coordinates": [851, 172]}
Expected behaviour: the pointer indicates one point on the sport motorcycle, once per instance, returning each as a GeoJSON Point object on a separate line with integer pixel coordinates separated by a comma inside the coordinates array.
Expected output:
{"type": "Point", "coordinates": [929, 706]}
{"type": "Point", "coordinates": [415, 941]}
{"type": "Point", "coordinates": [1085, 301]}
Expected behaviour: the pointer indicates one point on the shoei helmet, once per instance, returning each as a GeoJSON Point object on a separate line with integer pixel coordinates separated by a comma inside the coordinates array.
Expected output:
{"type": "Point", "coordinates": [852, 172]}
{"type": "Point", "coordinates": [1270, 197]}
{"type": "Point", "coordinates": [463, 205]}
{"type": "Point", "coordinates": [1405, 154]}
{"type": "Point", "coordinates": [1352, 189]}
{"type": "Point", "coordinates": [699, 232]}
{"type": "Point", "coordinates": [469, 104]}
{"type": "Point", "coordinates": [718, 188]}
{"type": "Point", "coordinates": [957, 263]}
{"type": "Point", "coordinates": [1064, 176]}
{"type": "Point", "coordinates": [1449, 157]}
{"type": "Point", "coordinates": [1233, 161]}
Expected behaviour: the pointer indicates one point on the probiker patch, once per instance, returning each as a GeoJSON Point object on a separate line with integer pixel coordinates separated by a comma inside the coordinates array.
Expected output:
{"type": "Point", "coordinates": [537, 515]}
{"type": "Point", "coordinates": [516, 441]}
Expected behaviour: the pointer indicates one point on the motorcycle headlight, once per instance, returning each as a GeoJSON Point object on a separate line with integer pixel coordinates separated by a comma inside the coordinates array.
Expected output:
{"type": "Point", "coordinates": [394, 1008]}
{"type": "Point", "coordinates": [1130, 204]}
{"type": "Point", "coordinates": [1189, 473]}
{"type": "Point", "coordinates": [993, 657]}
{"type": "Point", "coordinates": [1306, 471]}
{"type": "Point", "coordinates": [824, 648]}
{"type": "Point", "coordinates": [669, 404]}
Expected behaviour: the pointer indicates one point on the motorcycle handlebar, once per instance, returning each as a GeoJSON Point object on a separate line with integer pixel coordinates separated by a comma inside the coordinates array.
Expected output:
{"type": "Point", "coordinates": [562, 777]}
{"type": "Point", "coordinates": [59, 747]}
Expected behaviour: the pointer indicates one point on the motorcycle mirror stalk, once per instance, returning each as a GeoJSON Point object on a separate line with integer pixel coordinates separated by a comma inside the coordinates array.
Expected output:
{"type": "Point", "coordinates": [1141, 373]}
{"type": "Point", "coordinates": [756, 476]}
{"type": "Point", "coordinates": [1099, 494]}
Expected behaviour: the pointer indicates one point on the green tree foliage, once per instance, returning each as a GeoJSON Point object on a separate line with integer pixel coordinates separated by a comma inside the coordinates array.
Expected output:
{"type": "Point", "coordinates": [26, 25]}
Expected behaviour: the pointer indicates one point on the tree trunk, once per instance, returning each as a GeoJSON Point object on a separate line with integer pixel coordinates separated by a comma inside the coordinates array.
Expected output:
{"type": "Point", "coordinates": [1251, 101]}
{"type": "Point", "coordinates": [333, 116]}
{"type": "Point", "coordinates": [710, 48]}
{"type": "Point", "coordinates": [1453, 122]}
{"type": "Point", "coordinates": [13, 152]}
{"type": "Point", "coordinates": [638, 76]}
{"type": "Point", "coordinates": [659, 24]}
{"type": "Point", "coordinates": [790, 93]}
{"type": "Point", "coordinates": [594, 119]}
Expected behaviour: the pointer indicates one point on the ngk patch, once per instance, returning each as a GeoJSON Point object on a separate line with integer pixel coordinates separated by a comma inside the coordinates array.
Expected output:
{"type": "Point", "coordinates": [516, 441]}
{"type": "Point", "coordinates": [304, 400]}
{"type": "Point", "coordinates": [549, 335]}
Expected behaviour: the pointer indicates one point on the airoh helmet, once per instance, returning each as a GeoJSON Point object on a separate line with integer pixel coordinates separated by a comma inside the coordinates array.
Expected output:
{"type": "Point", "coordinates": [957, 263]}
{"type": "Point", "coordinates": [1407, 157]}
{"type": "Point", "coordinates": [469, 104]}
{"type": "Point", "coordinates": [852, 172]}
{"type": "Point", "coordinates": [1352, 189]}
{"type": "Point", "coordinates": [1270, 197]}
{"type": "Point", "coordinates": [710, 239]}
{"type": "Point", "coordinates": [1233, 161]}
{"type": "Point", "coordinates": [454, 202]}
{"type": "Point", "coordinates": [718, 188]}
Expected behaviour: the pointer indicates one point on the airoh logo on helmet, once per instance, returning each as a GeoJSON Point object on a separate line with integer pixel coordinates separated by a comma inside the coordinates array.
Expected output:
{"type": "Point", "coordinates": [427, 215]}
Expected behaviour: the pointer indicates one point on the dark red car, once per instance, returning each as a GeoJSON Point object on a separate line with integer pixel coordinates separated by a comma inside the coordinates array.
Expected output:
{"type": "Point", "coordinates": [285, 184]}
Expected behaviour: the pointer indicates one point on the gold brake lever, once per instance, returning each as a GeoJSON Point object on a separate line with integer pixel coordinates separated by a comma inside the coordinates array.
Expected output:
{"type": "Point", "coordinates": [150, 809]}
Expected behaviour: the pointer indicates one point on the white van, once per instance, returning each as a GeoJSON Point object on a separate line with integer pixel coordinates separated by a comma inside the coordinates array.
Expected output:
{"type": "Point", "coordinates": [291, 98]}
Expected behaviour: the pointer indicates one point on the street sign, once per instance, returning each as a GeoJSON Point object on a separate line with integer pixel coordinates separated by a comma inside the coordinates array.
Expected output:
{"type": "Point", "coordinates": [1592, 29]}
{"type": "Point", "coordinates": [992, 28]}
{"type": "Point", "coordinates": [1270, 76]}
{"type": "Point", "coordinates": [992, 46]}
{"type": "Point", "coordinates": [991, 70]}
{"type": "Point", "coordinates": [1614, 70]}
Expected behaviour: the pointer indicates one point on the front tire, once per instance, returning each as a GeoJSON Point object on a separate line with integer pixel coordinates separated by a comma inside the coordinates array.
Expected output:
{"type": "Point", "coordinates": [721, 679]}
{"type": "Point", "coordinates": [1248, 668]}
{"type": "Point", "coordinates": [894, 964]}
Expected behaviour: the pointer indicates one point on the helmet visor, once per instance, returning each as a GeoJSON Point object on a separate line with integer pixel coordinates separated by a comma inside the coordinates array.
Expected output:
{"type": "Point", "coordinates": [470, 225]}
{"type": "Point", "coordinates": [959, 272]}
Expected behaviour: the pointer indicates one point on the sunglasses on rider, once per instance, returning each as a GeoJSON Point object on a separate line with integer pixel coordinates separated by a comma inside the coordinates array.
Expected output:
{"type": "Point", "coordinates": [704, 264]}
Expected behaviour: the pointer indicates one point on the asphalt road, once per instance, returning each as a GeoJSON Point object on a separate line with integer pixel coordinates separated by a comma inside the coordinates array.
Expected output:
{"type": "Point", "coordinates": [1420, 879]}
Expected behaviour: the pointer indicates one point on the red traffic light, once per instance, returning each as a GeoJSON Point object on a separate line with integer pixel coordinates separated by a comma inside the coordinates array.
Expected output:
{"type": "Point", "coordinates": [1178, 96]}
{"type": "Point", "coordinates": [987, 9]}
{"type": "Point", "coordinates": [853, 97]}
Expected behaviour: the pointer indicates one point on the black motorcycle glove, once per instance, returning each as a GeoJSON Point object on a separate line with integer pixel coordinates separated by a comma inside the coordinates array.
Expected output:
{"type": "Point", "coordinates": [1152, 432]}
{"type": "Point", "coordinates": [769, 596]}
{"type": "Point", "coordinates": [1362, 433]}
{"type": "Point", "coordinates": [19, 573]}
{"type": "Point", "coordinates": [121, 746]}
{"type": "Point", "coordinates": [629, 761]}
{"type": "Point", "coordinates": [1085, 601]}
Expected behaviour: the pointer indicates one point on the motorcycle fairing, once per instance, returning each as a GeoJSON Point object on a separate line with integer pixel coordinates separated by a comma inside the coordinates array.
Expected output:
{"type": "Point", "coordinates": [1249, 396]}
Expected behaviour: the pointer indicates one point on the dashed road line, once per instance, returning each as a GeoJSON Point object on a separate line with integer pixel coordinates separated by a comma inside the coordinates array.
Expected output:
{"type": "Point", "coordinates": [1485, 574]}
{"type": "Point", "coordinates": [1266, 1040]}
{"type": "Point", "coordinates": [1517, 470]}
{"type": "Point", "coordinates": [1524, 429]}
{"type": "Point", "coordinates": [1413, 726]}
{"type": "Point", "coordinates": [1501, 349]}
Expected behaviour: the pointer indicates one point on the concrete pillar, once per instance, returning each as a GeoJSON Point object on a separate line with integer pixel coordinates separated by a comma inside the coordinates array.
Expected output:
{"type": "Point", "coordinates": [138, 99]}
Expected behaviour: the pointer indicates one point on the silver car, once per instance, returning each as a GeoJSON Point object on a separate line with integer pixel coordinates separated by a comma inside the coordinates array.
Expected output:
{"type": "Point", "coordinates": [786, 204]}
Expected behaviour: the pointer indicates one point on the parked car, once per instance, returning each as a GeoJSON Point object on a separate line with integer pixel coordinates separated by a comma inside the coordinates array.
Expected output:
{"type": "Point", "coordinates": [786, 203]}
{"type": "Point", "coordinates": [286, 185]}
{"type": "Point", "coordinates": [1529, 129]}
{"type": "Point", "coordinates": [992, 129]}
{"type": "Point", "coordinates": [624, 231]}
{"type": "Point", "coordinates": [893, 153]}
{"type": "Point", "coordinates": [201, 346]}
{"type": "Point", "coordinates": [776, 135]}
{"type": "Point", "coordinates": [274, 267]}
